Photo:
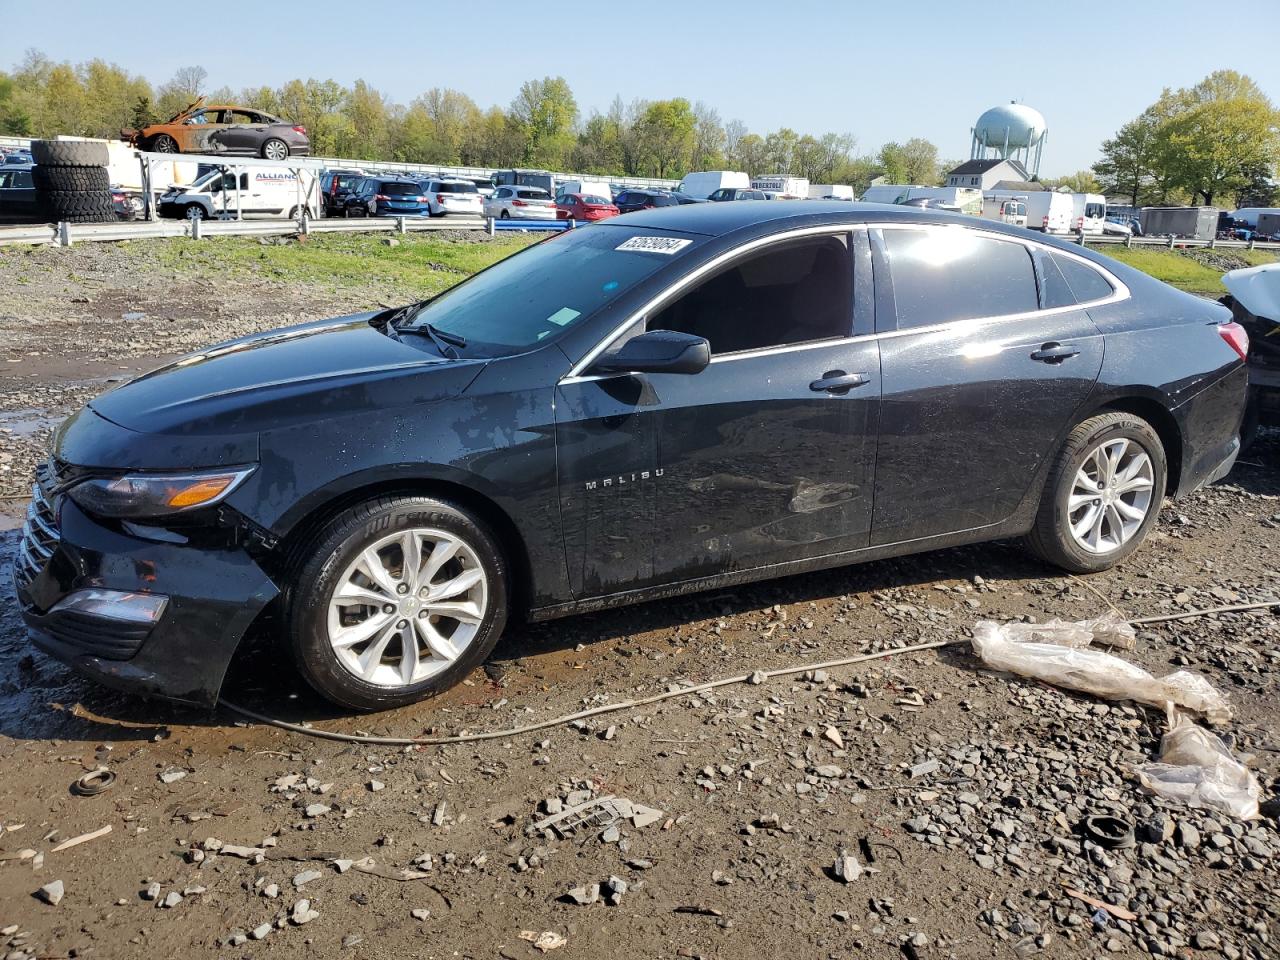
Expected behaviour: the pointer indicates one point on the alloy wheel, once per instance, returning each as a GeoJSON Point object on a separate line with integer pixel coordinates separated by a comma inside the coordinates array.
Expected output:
{"type": "Point", "coordinates": [275, 150]}
{"type": "Point", "coordinates": [1110, 496]}
{"type": "Point", "coordinates": [407, 607]}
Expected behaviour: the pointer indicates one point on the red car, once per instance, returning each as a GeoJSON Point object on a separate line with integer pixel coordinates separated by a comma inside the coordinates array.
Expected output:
{"type": "Point", "coordinates": [584, 206]}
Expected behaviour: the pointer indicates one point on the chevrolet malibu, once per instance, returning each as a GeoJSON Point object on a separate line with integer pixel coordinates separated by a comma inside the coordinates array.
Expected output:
{"type": "Point", "coordinates": [665, 402]}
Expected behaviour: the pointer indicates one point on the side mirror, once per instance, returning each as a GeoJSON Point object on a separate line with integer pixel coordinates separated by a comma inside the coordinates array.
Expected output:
{"type": "Point", "coordinates": [658, 351]}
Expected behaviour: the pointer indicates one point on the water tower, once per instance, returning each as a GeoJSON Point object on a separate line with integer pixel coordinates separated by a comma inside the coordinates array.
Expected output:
{"type": "Point", "coordinates": [1011, 131]}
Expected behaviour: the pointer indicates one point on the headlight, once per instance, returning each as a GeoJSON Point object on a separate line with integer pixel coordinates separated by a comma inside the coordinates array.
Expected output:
{"type": "Point", "coordinates": [156, 495]}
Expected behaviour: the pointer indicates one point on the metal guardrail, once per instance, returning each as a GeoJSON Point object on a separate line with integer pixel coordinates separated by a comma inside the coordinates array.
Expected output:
{"type": "Point", "coordinates": [66, 234]}
{"type": "Point", "coordinates": [1173, 243]}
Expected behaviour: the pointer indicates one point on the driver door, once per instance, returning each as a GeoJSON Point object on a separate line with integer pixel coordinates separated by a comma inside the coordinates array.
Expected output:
{"type": "Point", "coordinates": [765, 457]}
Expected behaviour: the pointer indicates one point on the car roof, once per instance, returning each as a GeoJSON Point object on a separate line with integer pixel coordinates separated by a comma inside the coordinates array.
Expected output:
{"type": "Point", "coordinates": [717, 219]}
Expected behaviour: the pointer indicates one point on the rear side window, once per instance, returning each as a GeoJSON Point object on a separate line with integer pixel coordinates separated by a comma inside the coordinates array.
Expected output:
{"type": "Point", "coordinates": [954, 274]}
{"type": "Point", "coordinates": [1054, 291]}
{"type": "Point", "coordinates": [1085, 282]}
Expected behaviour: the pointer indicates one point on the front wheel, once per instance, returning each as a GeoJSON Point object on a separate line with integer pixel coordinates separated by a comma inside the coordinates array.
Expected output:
{"type": "Point", "coordinates": [193, 211]}
{"type": "Point", "coordinates": [399, 599]}
{"type": "Point", "coordinates": [1103, 494]}
{"type": "Point", "coordinates": [164, 144]}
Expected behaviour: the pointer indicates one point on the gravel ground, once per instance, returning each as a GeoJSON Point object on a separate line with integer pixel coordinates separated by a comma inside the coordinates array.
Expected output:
{"type": "Point", "coordinates": [959, 792]}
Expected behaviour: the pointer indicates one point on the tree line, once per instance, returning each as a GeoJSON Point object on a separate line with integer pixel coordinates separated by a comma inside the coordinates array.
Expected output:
{"type": "Point", "coordinates": [542, 126]}
{"type": "Point", "coordinates": [1218, 141]}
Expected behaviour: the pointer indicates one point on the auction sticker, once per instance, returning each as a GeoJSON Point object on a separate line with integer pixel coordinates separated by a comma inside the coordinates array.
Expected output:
{"type": "Point", "coordinates": [663, 245]}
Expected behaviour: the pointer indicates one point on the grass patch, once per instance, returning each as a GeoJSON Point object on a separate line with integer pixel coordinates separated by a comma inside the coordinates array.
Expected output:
{"type": "Point", "coordinates": [422, 264]}
{"type": "Point", "coordinates": [1196, 270]}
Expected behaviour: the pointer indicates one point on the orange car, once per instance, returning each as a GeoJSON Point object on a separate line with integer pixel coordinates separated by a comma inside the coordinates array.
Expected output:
{"type": "Point", "coordinates": [223, 129]}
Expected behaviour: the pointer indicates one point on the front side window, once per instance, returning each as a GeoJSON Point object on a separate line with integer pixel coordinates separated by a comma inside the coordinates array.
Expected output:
{"type": "Point", "coordinates": [197, 118]}
{"type": "Point", "coordinates": [791, 292]}
{"type": "Point", "coordinates": [545, 289]}
{"type": "Point", "coordinates": [942, 275]}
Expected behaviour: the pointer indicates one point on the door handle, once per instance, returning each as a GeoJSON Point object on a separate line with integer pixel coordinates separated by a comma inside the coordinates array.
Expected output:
{"type": "Point", "coordinates": [1054, 352]}
{"type": "Point", "coordinates": [837, 381]}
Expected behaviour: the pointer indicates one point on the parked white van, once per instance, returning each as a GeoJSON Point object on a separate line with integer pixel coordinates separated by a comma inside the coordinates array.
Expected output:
{"type": "Point", "coordinates": [257, 192]}
{"type": "Point", "coordinates": [704, 183]}
{"type": "Point", "coordinates": [588, 188]}
{"type": "Point", "coordinates": [830, 191]}
{"type": "Point", "coordinates": [1047, 210]}
{"type": "Point", "coordinates": [1089, 212]}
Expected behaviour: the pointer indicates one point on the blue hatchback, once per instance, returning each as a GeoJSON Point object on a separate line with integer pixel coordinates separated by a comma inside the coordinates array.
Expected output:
{"type": "Point", "coordinates": [393, 197]}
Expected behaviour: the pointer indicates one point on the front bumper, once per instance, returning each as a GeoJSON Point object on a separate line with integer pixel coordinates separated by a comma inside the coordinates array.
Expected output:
{"type": "Point", "coordinates": [214, 594]}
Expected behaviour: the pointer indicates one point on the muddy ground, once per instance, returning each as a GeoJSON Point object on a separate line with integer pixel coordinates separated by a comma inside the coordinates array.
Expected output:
{"type": "Point", "coordinates": [962, 790]}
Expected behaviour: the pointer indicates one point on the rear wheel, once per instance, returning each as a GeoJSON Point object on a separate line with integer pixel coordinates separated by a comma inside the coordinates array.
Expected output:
{"type": "Point", "coordinates": [399, 599]}
{"type": "Point", "coordinates": [506, 214]}
{"type": "Point", "coordinates": [1103, 494]}
{"type": "Point", "coordinates": [275, 149]}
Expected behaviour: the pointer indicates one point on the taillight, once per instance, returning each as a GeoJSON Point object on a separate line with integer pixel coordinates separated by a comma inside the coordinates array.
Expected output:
{"type": "Point", "coordinates": [1236, 337]}
{"type": "Point", "coordinates": [381, 196]}
{"type": "Point", "coordinates": [518, 203]}
{"type": "Point", "coordinates": [299, 128]}
{"type": "Point", "coordinates": [1044, 221]}
{"type": "Point", "coordinates": [117, 197]}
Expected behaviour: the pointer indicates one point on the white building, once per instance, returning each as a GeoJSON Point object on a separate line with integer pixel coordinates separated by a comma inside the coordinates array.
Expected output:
{"type": "Point", "coordinates": [985, 174]}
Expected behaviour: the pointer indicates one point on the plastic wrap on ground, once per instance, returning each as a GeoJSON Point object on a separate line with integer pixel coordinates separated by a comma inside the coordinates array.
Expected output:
{"type": "Point", "coordinates": [1198, 770]}
{"type": "Point", "coordinates": [1072, 665]}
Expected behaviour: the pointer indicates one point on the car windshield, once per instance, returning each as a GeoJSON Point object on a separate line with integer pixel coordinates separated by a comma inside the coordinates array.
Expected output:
{"type": "Point", "coordinates": [394, 189]}
{"type": "Point", "coordinates": [547, 288]}
{"type": "Point", "coordinates": [532, 194]}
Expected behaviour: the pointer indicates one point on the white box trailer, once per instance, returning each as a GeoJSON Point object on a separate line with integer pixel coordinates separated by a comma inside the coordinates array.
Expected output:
{"type": "Point", "coordinates": [704, 183]}
{"type": "Point", "coordinates": [125, 169]}
{"type": "Point", "coordinates": [782, 186]}
{"type": "Point", "coordinates": [830, 191]}
{"type": "Point", "coordinates": [1250, 214]}
{"type": "Point", "coordinates": [966, 199]}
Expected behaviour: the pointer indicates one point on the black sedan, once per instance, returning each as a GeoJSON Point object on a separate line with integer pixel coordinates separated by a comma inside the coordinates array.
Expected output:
{"type": "Point", "coordinates": [661, 403]}
{"type": "Point", "coordinates": [629, 201]}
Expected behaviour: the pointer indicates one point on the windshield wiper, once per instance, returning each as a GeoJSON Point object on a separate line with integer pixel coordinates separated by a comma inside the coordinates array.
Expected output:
{"type": "Point", "coordinates": [446, 343]}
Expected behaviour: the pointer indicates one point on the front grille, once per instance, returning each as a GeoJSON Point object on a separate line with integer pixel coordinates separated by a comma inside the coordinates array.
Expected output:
{"type": "Point", "coordinates": [40, 535]}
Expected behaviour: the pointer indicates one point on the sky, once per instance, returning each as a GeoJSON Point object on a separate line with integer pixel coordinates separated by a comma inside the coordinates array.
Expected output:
{"type": "Point", "coordinates": [880, 71]}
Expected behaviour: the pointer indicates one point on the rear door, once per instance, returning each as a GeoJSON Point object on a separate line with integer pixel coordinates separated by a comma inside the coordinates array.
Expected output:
{"type": "Point", "coordinates": [765, 457]}
{"type": "Point", "coordinates": [982, 373]}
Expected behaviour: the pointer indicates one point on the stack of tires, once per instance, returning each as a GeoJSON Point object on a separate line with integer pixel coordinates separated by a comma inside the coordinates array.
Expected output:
{"type": "Point", "coordinates": [71, 181]}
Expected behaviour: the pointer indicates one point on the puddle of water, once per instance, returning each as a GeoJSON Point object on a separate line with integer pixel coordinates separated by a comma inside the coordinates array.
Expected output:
{"type": "Point", "coordinates": [28, 422]}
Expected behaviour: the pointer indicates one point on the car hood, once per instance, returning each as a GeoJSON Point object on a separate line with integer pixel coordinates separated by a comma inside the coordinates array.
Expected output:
{"type": "Point", "coordinates": [291, 375]}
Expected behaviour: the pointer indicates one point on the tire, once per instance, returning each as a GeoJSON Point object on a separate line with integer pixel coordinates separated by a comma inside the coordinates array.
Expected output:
{"type": "Point", "coordinates": [69, 153]}
{"type": "Point", "coordinates": [164, 144]}
{"type": "Point", "coordinates": [78, 206]}
{"type": "Point", "coordinates": [70, 178]}
{"type": "Point", "coordinates": [275, 149]}
{"type": "Point", "coordinates": [346, 671]}
{"type": "Point", "coordinates": [193, 211]}
{"type": "Point", "coordinates": [1118, 532]}
{"type": "Point", "coordinates": [506, 215]}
